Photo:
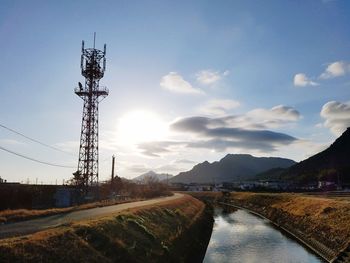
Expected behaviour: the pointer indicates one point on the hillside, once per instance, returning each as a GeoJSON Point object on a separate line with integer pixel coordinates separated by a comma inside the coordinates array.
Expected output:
{"type": "Point", "coordinates": [331, 164]}
{"type": "Point", "coordinates": [233, 167]}
{"type": "Point", "coordinates": [271, 174]}
{"type": "Point", "coordinates": [152, 175]}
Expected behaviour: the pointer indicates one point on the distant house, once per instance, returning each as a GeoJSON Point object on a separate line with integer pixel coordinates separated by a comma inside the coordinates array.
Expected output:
{"type": "Point", "coordinates": [249, 185]}
{"type": "Point", "coordinates": [326, 185]}
{"type": "Point", "coordinates": [194, 187]}
{"type": "Point", "coordinates": [177, 186]}
{"type": "Point", "coordinates": [275, 184]}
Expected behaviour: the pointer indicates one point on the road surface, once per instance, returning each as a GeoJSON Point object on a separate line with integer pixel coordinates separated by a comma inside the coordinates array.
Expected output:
{"type": "Point", "coordinates": [35, 225]}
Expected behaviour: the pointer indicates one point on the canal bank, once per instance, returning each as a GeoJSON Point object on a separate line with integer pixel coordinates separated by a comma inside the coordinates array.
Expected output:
{"type": "Point", "coordinates": [173, 231]}
{"type": "Point", "coordinates": [320, 224]}
{"type": "Point", "coordinates": [317, 248]}
{"type": "Point", "coordinates": [240, 236]}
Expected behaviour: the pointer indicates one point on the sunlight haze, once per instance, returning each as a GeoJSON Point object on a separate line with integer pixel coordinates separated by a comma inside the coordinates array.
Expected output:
{"type": "Point", "coordinates": [189, 81]}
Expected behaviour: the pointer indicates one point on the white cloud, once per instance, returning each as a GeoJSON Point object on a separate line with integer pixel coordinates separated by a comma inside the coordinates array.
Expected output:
{"type": "Point", "coordinates": [335, 69]}
{"type": "Point", "coordinates": [272, 118]}
{"type": "Point", "coordinates": [218, 106]}
{"type": "Point", "coordinates": [337, 116]}
{"type": "Point", "coordinates": [175, 82]}
{"type": "Point", "coordinates": [208, 77]}
{"type": "Point", "coordinates": [247, 132]}
{"type": "Point", "coordinates": [138, 168]}
{"type": "Point", "coordinates": [169, 168]}
{"type": "Point", "coordinates": [225, 133]}
{"type": "Point", "coordinates": [184, 161]}
{"type": "Point", "coordinates": [301, 80]}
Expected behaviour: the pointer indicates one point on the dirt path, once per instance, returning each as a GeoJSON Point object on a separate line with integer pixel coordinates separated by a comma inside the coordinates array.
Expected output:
{"type": "Point", "coordinates": [35, 225]}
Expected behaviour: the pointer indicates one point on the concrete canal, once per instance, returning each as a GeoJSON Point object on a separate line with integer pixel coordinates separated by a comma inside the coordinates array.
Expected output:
{"type": "Point", "coordinates": [240, 236]}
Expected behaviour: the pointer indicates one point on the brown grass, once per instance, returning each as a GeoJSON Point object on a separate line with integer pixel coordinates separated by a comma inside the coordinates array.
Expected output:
{"type": "Point", "coordinates": [141, 234]}
{"type": "Point", "coordinates": [324, 219]}
{"type": "Point", "coordinates": [204, 194]}
{"type": "Point", "coordinates": [9, 215]}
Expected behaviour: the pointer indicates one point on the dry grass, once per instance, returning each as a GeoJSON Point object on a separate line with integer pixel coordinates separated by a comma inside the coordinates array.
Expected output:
{"type": "Point", "coordinates": [25, 214]}
{"type": "Point", "coordinates": [7, 216]}
{"type": "Point", "coordinates": [140, 234]}
{"type": "Point", "coordinates": [324, 219]}
{"type": "Point", "coordinates": [205, 194]}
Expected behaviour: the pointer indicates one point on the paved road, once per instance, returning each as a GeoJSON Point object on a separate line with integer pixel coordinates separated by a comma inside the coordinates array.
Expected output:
{"type": "Point", "coordinates": [35, 225]}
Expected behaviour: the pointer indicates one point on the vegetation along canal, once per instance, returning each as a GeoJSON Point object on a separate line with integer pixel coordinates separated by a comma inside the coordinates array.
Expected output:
{"type": "Point", "coordinates": [239, 236]}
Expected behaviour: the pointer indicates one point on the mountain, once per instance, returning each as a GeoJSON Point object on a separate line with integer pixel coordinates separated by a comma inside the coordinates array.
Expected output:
{"type": "Point", "coordinates": [331, 164]}
{"type": "Point", "coordinates": [271, 174]}
{"type": "Point", "coordinates": [151, 174]}
{"type": "Point", "coordinates": [233, 167]}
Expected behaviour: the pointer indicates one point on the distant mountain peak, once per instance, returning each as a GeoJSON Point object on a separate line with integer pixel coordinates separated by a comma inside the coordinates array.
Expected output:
{"type": "Point", "coordinates": [151, 173]}
{"type": "Point", "coordinates": [232, 167]}
{"type": "Point", "coordinates": [236, 155]}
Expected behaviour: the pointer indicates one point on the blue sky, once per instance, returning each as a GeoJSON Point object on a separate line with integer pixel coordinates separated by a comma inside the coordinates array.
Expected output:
{"type": "Point", "coordinates": [189, 81]}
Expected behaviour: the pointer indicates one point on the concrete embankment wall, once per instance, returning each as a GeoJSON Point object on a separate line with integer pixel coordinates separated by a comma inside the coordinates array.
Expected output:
{"type": "Point", "coordinates": [173, 231]}
{"type": "Point", "coordinates": [321, 224]}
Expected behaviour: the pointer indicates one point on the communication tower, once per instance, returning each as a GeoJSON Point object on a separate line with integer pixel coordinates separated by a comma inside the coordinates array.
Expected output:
{"type": "Point", "coordinates": [93, 65]}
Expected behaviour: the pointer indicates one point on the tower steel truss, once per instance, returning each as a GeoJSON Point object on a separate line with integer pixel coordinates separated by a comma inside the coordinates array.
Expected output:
{"type": "Point", "coordinates": [93, 65]}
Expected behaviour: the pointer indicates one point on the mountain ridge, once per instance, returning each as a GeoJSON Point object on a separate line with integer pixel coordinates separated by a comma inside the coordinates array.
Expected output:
{"type": "Point", "coordinates": [328, 164]}
{"type": "Point", "coordinates": [232, 167]}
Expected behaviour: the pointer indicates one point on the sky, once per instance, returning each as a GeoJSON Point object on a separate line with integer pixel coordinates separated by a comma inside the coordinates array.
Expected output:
{"type": "Point", "coordinates": [189, 81]}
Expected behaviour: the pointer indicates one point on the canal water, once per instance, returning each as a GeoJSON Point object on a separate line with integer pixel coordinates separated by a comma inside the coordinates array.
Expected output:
{"type": "Point", "coordinates": [240, 236]}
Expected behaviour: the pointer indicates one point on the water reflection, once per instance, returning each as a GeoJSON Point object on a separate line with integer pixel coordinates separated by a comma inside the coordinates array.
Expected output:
{"type": "Point", "coordinates": [242, 237]}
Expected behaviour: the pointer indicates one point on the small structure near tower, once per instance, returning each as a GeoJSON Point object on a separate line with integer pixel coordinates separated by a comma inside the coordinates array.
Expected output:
{"type": "Point", "coordinates": [93, 65]}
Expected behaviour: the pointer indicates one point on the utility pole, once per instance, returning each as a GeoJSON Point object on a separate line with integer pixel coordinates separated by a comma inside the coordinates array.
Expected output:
{"type": "Point", "coordinates": [93, 66]}
{"type": "Point", "coordinates": [112, 175]}
{"type": "Point", "coordinates": [113, 163]}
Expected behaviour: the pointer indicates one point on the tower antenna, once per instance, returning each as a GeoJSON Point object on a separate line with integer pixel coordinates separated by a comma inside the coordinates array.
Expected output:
{"type": "Point", "coordinates": [92, 68]}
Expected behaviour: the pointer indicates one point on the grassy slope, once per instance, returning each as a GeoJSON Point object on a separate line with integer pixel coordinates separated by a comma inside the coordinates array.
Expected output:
{"type": "Point", "coordinates": [319, 219]}
{"type": "Point", "coordinates": [146, 234]}
{"type": "Point", "coordinates": [325, 220]}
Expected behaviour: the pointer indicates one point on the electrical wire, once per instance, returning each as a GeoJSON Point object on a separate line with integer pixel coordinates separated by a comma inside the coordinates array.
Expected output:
{"type": "Point", "coordinates": [34, 140]}
{"type": "Point", "coordinates": [34, 160]}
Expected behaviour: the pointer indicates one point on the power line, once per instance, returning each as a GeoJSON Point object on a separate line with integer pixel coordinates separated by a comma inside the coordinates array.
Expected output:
{"type": "Point", "coordinates": [34, 140]}
{"type": "Point", "coordinates": [34, 160]}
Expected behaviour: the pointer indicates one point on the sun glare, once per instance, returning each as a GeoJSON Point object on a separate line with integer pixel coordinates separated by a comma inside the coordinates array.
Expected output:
{"type": "Point", "coordinates": [140, 126]}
